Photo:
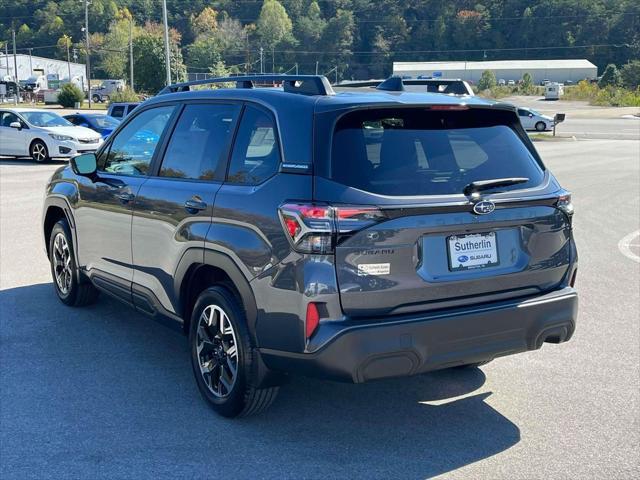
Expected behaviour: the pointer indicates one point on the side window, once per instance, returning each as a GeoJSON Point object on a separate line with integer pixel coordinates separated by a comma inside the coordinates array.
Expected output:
{"type": "Point", "coordinates": [256, 154]}
{"type": "Point", "coordinates": [130, 108]}
{"type": "Point", "coordinates": [118, 111]}
{"type": "Point", "coordinates": [198, 142]}
{"type": "Point", "coordinates": [7, 118]}
{"type": "Point", "coordinates": [132, 149]}
{"type": "Point", "coordinates": [523, 113]}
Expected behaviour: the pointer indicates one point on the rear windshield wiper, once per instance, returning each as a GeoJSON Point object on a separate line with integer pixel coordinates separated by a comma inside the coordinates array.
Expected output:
{"type": "Point", "coordinates": [480, 185]}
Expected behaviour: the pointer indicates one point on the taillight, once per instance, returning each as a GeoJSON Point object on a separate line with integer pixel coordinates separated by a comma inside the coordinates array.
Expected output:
{"type": "Point", "coordinates": [564, 204]}
{"type": "Point", "coordinates": [317, 228]}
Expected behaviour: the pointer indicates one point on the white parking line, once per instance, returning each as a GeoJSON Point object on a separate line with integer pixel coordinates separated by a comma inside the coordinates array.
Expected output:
{"type": "Point", "coordinates": [625, 245]}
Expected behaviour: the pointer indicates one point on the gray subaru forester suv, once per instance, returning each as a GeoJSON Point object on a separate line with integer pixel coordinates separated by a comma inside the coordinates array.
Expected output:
{"type": "Point", "coordinates": [292, 230]}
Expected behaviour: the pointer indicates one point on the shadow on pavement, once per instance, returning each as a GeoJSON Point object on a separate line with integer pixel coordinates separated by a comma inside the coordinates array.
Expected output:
{"type": "Point", "coordinates": [104, 392]}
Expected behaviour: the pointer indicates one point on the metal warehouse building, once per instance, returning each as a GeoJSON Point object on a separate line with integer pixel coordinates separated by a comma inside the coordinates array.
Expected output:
{"type": "Point", "coordinates": [29, 66]}
{"type": "Point", "coordinates": [553, 70]}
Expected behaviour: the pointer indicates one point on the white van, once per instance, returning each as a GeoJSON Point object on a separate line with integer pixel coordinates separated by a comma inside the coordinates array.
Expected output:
{"type": "Point", "coordinates": [553, 91]}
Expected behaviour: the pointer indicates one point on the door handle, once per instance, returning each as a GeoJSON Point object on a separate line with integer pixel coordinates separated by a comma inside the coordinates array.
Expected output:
{"type": "Point", "coordinates": [125, 197]}
{"type": "Point", "coordinates": [194, 206]}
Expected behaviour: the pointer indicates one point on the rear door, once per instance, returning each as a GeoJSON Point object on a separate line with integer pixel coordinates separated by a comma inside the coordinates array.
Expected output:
{"type": "Point", "coordinates": [426, 245]}
{"type": "Point", "coordinates": [174, 206]}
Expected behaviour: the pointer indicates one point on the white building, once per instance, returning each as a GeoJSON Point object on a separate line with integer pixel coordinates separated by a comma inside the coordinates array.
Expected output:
{"type": "Point", "coordinates": [33, 66]}
{"type": "Point", "coordinates": [553, 70]}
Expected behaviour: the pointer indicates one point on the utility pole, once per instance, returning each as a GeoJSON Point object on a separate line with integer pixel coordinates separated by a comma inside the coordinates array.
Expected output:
{"type": "Point", "coordinates": [15, 69]}
{"type": "Point", "coordinates": [67, 38]}
{"type": "Point", "coordinates": [131, 51]}
{"type": "Point", "coordinates": [317, 67]}
{"type": "Point", "coordinates": [86, 37]}
{"type": "Point", "coordinates": [167, 58]}
{"type": "Point", "coordinates": [273, 59]}
{"type": "Point", "coordinates": [30, 62]}
{"type": "Point", "coordinates": [261, 60]}
{"type": "Point", "coordinates": [296, 68]}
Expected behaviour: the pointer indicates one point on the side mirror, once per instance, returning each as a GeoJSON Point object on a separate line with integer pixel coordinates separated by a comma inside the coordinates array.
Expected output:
{"type": "Point", "coordinates": [17, 125]}
{"type": "Point", "coordinates": [85, 164]}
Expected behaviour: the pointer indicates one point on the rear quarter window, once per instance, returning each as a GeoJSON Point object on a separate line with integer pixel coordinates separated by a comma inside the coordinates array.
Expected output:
{"type": "Point", "coordinates": [409, 152]}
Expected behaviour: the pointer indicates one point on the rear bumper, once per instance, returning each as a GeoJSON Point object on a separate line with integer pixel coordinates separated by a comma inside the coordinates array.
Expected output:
{"type": "Point", "coordinates": [361, 352]}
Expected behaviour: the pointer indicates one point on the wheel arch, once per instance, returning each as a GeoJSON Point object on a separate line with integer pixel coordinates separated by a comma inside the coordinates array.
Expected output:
{"type": "Point", "coordinates": [38, 139]}
{"type": "Point", "coordinates": [199, 270]}
{"type": "Point", "coordinates": [55, 209]}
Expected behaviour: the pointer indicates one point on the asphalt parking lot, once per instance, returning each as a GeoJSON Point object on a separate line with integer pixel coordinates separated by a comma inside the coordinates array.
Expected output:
{"type": "Point", "coordinates": [103, 392]}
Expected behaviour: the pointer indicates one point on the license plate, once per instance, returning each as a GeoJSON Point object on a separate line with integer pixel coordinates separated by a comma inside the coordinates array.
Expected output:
{"type": "Point", "coordinates": [477, 250]}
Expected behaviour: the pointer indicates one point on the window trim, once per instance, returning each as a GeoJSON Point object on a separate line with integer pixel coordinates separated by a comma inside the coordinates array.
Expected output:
{"type": "Point", "coordinates": [106, 147]}
{"type": "Point", "coordinates": [221, 169]}
{"type": "Point", "coordinates": [276, 136]}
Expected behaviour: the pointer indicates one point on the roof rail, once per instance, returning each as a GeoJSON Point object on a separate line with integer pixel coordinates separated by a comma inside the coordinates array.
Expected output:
{"type": "Point", "coordinates": [302, 84]}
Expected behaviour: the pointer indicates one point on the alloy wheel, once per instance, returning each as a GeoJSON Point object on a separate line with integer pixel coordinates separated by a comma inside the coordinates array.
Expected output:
{"type": "Point", "coordinates": [62, 264]}
{"type": "Point", "coordinates": [217, 351]}
{"type": "Point", "coordinates": [39, 152]}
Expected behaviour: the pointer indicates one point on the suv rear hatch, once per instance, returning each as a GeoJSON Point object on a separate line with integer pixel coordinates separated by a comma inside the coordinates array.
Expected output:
{"type": "Point", "coordinates": [405, 236]}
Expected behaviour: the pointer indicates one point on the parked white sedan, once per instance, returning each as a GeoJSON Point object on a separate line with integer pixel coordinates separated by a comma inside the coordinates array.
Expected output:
{"type": "Point", "coordinates": [532, 120]}
{"type": "Point", "coordinates": [42, 135]}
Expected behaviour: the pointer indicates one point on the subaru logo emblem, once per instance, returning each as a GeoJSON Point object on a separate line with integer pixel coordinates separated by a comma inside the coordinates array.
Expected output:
{"type": "Point", "coordinates": [484, 207]}
{"type": "Point", "coordinates": [463, 258]}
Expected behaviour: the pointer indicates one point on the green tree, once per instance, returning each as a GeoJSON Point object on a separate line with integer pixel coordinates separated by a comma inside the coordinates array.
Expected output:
{"type": "Point", "coordinates": [149, 59]}
{"type": "Point", "coordinates": [114, 54]}
{"type": "Point", "coordinates": [526, 84]}
{"type": "Point", "coordinates": [311, 26]}
{"type": "Point", "coordinates": [69, 95]}
{"type": "Point", "coordinates": [631, 74]}
{"type": "Point", "coordinates": [610, 77]}
{"type": "Point", "coordinates": [487, 80]}
{"type": "Point", "coordinates": [274, 25]}
{"type": "Point", "coordinates": [204, 53]}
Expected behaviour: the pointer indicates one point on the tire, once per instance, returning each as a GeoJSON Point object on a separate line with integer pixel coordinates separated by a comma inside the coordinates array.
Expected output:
{"type": "Point", "coordinates": [219, 340]}
{"type": "Point", "coordinates": [95, 98]}
{"type": "Point", "coordinates": [39, 151]}
{"type": "Point", "coordinates": [64, 270]}
{"type": "Point", "coordinates": [541, 126]}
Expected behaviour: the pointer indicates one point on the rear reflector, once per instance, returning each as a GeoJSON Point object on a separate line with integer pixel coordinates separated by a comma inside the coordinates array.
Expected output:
{"type": "Point", "coordinates": [312, 320]}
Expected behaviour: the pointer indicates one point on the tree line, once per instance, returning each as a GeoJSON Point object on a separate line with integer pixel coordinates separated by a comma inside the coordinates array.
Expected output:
{"type": "Point", "coordinates": [351, 38]}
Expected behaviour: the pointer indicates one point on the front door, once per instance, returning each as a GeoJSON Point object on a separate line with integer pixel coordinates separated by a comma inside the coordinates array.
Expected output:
{"type": "Point", "coordinates": [13, 141]}
{"type": "Point", "coordinates": [173, 209]}
{"type": "Point", "coordinates": [105, 206]}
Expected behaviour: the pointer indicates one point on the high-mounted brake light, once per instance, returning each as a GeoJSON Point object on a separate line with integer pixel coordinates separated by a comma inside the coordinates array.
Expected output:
{"type": "Point", "coordinates": [448, 107]}
{"type": "Point", "coordinates": [317, 228]}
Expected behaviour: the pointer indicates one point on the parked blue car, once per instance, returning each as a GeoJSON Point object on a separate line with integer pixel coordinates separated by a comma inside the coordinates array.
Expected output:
{"type": "Point", "coordinates": [99, 122]}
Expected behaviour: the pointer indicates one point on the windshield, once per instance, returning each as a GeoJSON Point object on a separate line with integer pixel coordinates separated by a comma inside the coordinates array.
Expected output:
{"type": "Point", "coordinates": [406, 152]}
{"type": "Point", "coordinates": [103, 121]}
{"type": "Point", "coordinates": [46, 119]}
{"type": "Point", "coordinates": [535, 112]}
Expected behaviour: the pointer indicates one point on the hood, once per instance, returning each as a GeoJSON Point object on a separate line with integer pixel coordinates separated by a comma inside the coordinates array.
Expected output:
{"type": "Point", "coordinates": [73, 131]}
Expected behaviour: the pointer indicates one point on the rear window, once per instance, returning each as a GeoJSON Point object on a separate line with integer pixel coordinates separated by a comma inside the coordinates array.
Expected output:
{"type": "Point", "coordinates": [404, 152]}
